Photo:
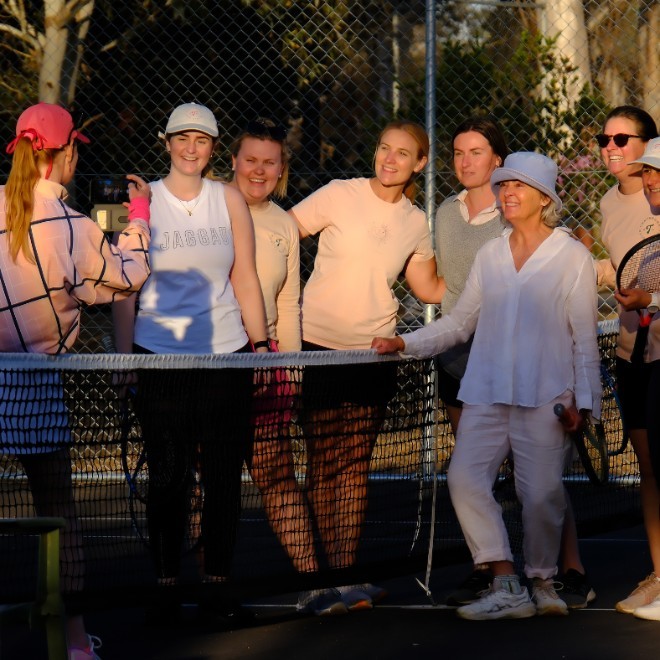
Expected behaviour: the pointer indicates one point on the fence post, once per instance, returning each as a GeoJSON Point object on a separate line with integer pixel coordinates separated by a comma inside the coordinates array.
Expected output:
{"type": "Point", "coordinates": [429, 439]}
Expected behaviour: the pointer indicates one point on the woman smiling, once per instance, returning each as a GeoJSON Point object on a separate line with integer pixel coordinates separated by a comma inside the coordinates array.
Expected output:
{"type": "Point", "coordinates": [531, 304]}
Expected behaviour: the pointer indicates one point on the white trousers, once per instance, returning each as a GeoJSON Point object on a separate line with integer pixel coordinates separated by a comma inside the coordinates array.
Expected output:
{"type": "Point", "coordinates": [487, 434]}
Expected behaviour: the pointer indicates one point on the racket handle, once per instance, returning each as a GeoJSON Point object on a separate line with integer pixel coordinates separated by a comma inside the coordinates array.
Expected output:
{"type": "Point", "coordinates": [566, 416]}
{"type": "Point", "coordinates": [645, 318]}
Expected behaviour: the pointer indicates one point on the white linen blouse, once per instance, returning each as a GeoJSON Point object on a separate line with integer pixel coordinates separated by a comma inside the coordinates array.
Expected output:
{"type": "Point", "coordinates": [534, 329]}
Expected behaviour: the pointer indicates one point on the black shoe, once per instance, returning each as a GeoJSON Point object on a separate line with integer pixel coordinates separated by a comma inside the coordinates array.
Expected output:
{"type": "Point", "coordinates": [471, 589]}
{"type": "Point", "coordinates": [575, 590]}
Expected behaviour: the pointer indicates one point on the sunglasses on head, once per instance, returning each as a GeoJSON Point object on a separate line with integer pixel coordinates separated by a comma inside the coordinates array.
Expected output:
{"type": "Point", "coordinates": [620, 139]}
{"type": "Point", "coordinates": [260, 128]}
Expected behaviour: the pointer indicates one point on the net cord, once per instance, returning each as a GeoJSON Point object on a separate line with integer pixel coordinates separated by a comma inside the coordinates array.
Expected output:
{"type": "Point", "coordinates": [128, 362]}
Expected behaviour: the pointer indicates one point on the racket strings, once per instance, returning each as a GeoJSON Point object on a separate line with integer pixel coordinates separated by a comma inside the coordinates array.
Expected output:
{"type": "Point", "coordinates": [642, 269]}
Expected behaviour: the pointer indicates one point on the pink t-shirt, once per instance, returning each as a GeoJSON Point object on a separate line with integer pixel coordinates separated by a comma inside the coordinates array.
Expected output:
{"type": "Point", "coordinates": [364, 246]}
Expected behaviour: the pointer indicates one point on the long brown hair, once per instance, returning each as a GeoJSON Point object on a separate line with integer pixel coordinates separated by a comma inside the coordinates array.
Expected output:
{"type": "Point", "coordinates": [19, 195]}
{"type": "Point", "coordinates": [420, 136]}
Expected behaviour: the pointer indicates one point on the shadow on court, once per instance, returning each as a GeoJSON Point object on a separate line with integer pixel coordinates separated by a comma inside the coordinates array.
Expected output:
{"type": "Point", "coordinates": [405, 625]}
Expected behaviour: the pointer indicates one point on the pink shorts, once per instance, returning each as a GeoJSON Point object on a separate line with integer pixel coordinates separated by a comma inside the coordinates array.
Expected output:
{"type": "Point", "coordinates": [273, 397]}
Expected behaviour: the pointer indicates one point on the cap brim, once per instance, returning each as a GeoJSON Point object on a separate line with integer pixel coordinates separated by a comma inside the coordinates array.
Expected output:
{"type": "Point", "coordinates": [79, 136]}
{"type": "Point", "coordinates": [645, 160]}
{"type": "Point", "coordinates": [192, 127]}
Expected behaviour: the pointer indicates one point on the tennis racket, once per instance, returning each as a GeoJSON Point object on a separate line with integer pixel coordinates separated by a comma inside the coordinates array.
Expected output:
{"type": "Point", "coordinates": [592, 448]}
{"type": "Point", "coordinates": [134, 462]}
{"type": "Point", "coordinates": [132, 454]}
{"type": "Point", "coordinates": [640, 269]}
{"type": "Point", "coordinates": [611, 414]}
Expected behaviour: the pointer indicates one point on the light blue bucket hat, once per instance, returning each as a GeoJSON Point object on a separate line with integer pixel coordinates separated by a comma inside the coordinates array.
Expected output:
{"type": "Point", "coordinates": [536, 170]}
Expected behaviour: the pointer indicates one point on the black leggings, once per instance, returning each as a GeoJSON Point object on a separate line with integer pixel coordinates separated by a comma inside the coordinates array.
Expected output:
{"type": "Point", "coordinates": [653, 418]}
{"type": "Point", "coordinates": [194, 418]}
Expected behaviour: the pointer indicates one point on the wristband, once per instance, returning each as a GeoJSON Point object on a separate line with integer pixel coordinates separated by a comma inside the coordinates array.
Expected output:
{"type": "Point", "coordinates": [138, 208]}
{"type": "Point", "coordinates": [261, 344]}
{"type": "Point", "coordinates": [654, 305]}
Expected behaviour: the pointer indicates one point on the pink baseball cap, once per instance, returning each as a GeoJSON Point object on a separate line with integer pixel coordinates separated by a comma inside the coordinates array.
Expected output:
{"type": "Point", "coordinates": [47, 126]}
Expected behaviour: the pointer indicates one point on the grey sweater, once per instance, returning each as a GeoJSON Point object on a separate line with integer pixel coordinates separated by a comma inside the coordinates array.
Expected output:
{"type": "Point", "coordinates": [456, 245]}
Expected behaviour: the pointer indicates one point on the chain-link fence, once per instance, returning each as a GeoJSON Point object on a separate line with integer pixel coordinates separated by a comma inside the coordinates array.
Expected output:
{"type": "Point", "coordinates": [334, 72]}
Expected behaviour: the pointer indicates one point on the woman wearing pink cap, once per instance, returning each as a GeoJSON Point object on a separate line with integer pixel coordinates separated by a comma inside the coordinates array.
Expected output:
{"type": "Point", "coordinates": [53, 261]}
{"type": "Point", "coordinates": [530, 302]}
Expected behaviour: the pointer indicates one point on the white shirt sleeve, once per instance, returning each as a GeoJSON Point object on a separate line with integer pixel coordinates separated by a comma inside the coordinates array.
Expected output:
{"type": "Point", "coordinates": [453, 328]}
{"type": "Point", "coordinates": [583, 320]}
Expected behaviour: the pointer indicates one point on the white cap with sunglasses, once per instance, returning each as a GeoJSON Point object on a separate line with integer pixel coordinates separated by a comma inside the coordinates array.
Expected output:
{"type": "Point", "coordinates": [651, 154]}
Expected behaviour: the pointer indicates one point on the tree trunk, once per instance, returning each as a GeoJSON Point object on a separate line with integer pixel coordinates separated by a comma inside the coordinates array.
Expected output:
{"type": "Point", "coordinates": [564, 20]}
{"type": "Point", "coordinates": [54, 50]}
{"type": "Point", "coordinates": [65, 29]}
{"type": "Point", "coordinates": [76, 51]}
{"type": "Point", "coordinates": [650, 59]}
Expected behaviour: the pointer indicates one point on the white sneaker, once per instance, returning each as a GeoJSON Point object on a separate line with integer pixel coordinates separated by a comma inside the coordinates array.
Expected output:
{"type": "Point", "coordinates": [500, 604]}
{"type": "Point", "coordinates": [355, 598]}
{"type": "Point", "coordinates": [646, 592]}
{"type": "Point", "coordinates": [546, 599]}
{"type": "Point", "coordinates": [321, 602]}
{"type": "Point", "coordinates": [374, 592]}
{"type": "Point", "coordinates": [650, 612]}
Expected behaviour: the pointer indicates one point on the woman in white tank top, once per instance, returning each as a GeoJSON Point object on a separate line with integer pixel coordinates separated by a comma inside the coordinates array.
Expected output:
{"type": "Point", "coordinates": [203, 296]}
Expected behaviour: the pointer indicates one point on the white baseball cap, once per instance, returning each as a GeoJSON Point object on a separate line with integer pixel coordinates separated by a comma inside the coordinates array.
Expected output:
{"type": "Point", "coordinates": [192, 117]}
{"type": "Point", "coordinates": [651, 154]}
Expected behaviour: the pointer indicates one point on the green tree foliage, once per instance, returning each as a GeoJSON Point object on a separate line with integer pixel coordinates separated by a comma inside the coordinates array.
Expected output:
{"type": "Point", "coordinates": [523, 85]}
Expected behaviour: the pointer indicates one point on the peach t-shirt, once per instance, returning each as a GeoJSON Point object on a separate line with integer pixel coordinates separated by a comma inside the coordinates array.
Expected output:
{"type": "Point", "coordinates": [278, 267]}
{"type": "Point", "coordinates": [364, 246]}
{"type": "Point", "coordinates": [627, 220]}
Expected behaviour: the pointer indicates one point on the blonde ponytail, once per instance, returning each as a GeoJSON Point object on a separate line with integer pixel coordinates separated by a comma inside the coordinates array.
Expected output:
{"type": "Point", "coordinates": [19, 196]}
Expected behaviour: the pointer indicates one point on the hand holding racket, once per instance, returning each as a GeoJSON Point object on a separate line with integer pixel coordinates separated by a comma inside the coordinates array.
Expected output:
{"type": "Point", "coordinates": [638, 274]}
{"type": "Point", "coordinates": [632, 299]}
{"type": "Point", "coordinates": [589, 438]}
{"type": "Point", "coordinates": [570, 418]}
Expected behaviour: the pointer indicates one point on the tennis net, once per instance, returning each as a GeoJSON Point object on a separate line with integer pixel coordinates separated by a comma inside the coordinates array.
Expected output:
{"type": "Point", "coordinates": [104, 439]}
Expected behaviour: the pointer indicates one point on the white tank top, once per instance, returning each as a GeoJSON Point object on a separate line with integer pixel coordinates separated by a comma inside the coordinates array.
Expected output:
{"type": "Point", "coordinates": [187, 304]}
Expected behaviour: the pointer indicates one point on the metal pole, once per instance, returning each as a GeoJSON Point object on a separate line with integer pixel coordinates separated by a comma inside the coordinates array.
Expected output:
{"type": "Point", "coordinates": [396, 61]}
{"type": "Point", "coordinates": [428, 451]}
{"type": "Point", "coordinates": [429, 83]}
